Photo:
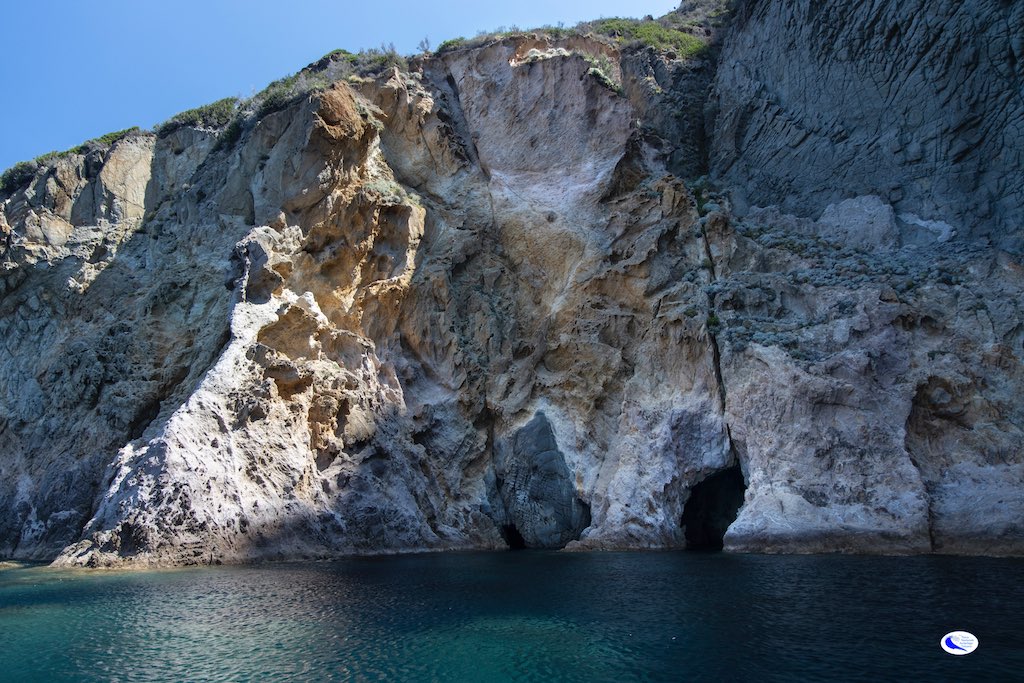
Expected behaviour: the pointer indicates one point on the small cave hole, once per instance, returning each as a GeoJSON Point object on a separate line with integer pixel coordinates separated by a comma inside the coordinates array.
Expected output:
{"type": "Point", "coordinates": [711, 508]}
{"type": "Point", "coordinates": [512, 537]}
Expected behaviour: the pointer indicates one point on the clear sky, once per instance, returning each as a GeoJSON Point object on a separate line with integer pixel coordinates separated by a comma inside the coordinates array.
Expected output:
{"type": "Point", "coordinates": [76, 69]}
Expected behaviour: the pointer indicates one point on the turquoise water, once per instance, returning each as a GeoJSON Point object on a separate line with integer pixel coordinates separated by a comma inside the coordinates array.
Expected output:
{"type": "Point", "coordinates": [527, 616]}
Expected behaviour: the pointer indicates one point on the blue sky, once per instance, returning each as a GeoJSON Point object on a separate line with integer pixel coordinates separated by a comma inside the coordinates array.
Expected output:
{"type": "Point", "coordinates": [76, 69]}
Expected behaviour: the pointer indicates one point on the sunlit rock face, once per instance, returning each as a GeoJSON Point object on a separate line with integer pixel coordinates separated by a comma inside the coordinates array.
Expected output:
{"type": "Point", "coordinates": [472, 307]}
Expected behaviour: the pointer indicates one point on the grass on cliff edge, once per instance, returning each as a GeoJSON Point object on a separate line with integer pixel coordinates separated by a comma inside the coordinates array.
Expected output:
{"type": "Point", "coordinates": [334, 66]}
{"type": "Point", "coordinates": [667, 34]}
{"type": "Point", "coordinates": [21, 173]}
{"type": "Point", "coordinates": [232, 115]}
{"type": "Point", "coordinates": [214, 115]}
{"type": "Point", "coordinates": [651, 33]}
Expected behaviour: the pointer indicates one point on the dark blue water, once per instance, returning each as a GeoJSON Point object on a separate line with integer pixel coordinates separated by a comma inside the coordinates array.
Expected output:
{"type": "Point", "coordinates": [529, 616]}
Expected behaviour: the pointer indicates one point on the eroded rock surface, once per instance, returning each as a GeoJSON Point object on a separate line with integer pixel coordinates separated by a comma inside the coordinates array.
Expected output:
{"type": "Point", "coordinates": [916, 101]}
{"type": "Point", "coordinates": [472, 304]}
{"type": "Point", "coordinates": [537, 490]}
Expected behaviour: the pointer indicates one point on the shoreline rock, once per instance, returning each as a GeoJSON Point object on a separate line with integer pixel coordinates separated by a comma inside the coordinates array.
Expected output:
{"type": "Point", "coordinates": [459, 307]}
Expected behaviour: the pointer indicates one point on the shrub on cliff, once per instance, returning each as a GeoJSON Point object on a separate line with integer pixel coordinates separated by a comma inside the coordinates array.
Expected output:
{"type": "Point", "coordinates": [102, 141]}
{"type": "Point", "coordinates": [648, 32]}
{"type": "Point", "coordinates": [21, 173]}
{"type": "Point", "coordinates": [231, 134]}
{"type": "Point", "coordinates": [18, 175]}
{"type": "Point", "coordinates": [276, 96]}
{"type": "Point", "coordinates": [333, 66]}
{"type": "Point", "coordinates": [450, 44]}
{"type": "Point", "coordinates": [283, 92]}
{"type": "Point", "coordinates": [602, 69]}
{"type": "Point", "coordinates": [376, 60]}
{"type": "Point", "coordinates": [670, 33]}
{"type": "Point", "coordinates": [214, 115]}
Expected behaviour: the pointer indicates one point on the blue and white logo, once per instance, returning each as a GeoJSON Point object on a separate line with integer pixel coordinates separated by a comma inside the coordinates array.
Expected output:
{"type": "Point", "coordinates": [959, 643]}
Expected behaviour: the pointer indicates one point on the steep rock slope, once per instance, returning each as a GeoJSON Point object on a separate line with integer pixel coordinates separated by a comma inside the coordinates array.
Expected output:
{"type": "Point", "coordinates": [470, 307]}
{"type": "Point", "coordinates": [917, 102]}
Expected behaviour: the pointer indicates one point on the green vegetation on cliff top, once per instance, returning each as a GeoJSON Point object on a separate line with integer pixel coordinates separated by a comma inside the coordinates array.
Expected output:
{"type": "Point", "coordinates": [214, 115]}
{"type": "Point", "coordinates": [21, 173]}
{"type": "Point", "coordinates": [670, 33]}
{"type": "Point", "coordinates": [232, 115]}
{"type": "Point", "coordinates": [651, 33]}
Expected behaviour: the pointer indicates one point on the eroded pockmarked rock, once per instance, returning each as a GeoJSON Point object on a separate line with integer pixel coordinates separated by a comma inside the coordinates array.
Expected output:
{"type": "Point", "coordinates": [471, 305]}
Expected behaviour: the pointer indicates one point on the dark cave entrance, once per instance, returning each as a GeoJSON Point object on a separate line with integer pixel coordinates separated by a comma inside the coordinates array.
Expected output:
{"type": "Point", "coordinates": [513, 538]}
{"type": "Point", "coordinates": [711, 508]}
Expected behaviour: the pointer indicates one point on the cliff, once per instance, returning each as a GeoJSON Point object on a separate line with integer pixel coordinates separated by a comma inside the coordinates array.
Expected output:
{"type": "Point", "coordinates": [484, 301]}
{"type": "Point", "coordinates": [917, 102]}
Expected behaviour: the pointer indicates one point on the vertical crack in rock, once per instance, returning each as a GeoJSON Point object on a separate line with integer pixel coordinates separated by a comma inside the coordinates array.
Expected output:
{"type": "Point", "coordinates": [919, 414]}
{"type": "Point", "coordinates": [454, 115]}
{"type": "Point", "coordinates": [399, 362]}
{"type": "Point", "coordinates": [712, 269]}
{"type": "Point", "coordinates": [716, 358]}
{"type": "Point", "coordinates": [928, 500]}
{"type": "Point", "coordinates": [716, 354]}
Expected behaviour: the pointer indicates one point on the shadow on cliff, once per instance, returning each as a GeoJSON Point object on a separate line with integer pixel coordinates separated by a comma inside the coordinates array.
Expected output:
{"type": "Point", "coordinates": [144, 336]}
{"type": "Point", "coordinates": [712, 507]}
{"type": "Point", "coordinates": [392, 494]}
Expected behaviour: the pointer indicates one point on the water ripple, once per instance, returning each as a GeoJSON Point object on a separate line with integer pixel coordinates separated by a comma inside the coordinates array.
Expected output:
{"type": "Point", "coordinates": [518, 617]}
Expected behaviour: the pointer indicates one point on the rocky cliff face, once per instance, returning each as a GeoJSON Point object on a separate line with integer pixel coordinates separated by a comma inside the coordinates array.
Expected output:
{"type": "Point", "coordinates": [918, 102]}
{"type": "Point", "coordinates": [471, 306]}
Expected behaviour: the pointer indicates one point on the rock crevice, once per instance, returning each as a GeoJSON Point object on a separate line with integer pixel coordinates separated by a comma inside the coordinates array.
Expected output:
{"type": "Point", "coordinates": [476, 306]}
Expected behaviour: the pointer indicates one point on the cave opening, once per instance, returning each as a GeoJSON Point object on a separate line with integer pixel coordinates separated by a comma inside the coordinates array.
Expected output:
{"type": "Point", "coordinates": [711, 508]}
{"type": "Point", "coordinates": [513, 538]}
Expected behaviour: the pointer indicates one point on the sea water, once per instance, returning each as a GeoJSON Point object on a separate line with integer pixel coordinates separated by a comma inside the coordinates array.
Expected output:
{"type": "Point", "coordinates": [519, 616]}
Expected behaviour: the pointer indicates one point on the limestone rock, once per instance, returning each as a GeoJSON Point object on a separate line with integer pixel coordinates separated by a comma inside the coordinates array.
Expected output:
{"type": "Point", "coordinates": [471, 305]}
